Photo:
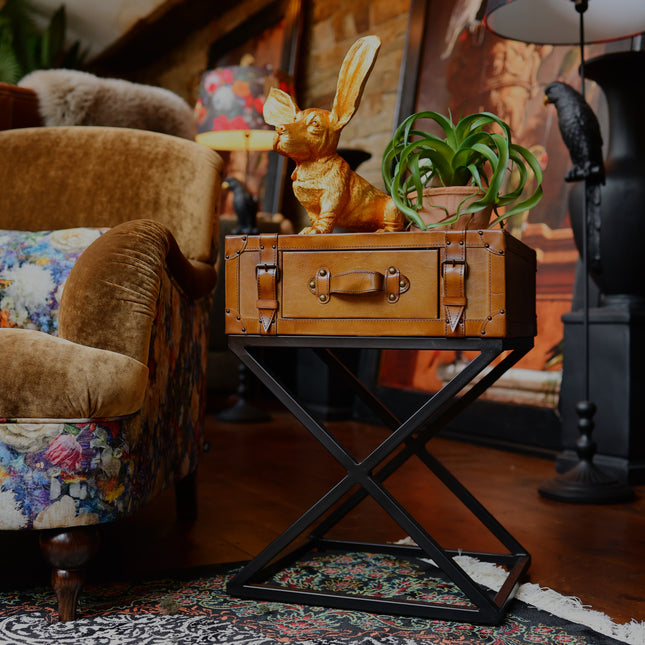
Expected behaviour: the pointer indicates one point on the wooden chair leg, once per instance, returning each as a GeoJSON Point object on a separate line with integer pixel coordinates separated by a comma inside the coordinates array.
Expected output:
{"type": "Point", "coordinates": [68, 552]}
{"type": "Point", "coordinates": [186, 498]}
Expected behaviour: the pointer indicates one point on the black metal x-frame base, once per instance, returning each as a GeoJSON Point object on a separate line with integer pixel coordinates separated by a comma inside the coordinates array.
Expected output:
{"type": "Point", "coordinates": [407, 438]}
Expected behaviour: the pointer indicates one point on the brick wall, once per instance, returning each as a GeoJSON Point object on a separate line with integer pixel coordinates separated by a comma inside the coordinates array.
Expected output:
{"type": "Point", "coordinates": [329, 29]}
{"type": "Point", "coordinates": [331, 26]}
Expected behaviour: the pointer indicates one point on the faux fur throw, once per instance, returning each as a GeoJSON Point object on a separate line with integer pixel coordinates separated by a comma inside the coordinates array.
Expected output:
{"type": "Point", "coordinates": [70, 97]}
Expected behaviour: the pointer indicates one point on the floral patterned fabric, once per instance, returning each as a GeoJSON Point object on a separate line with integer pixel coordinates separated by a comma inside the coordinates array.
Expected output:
{"type": "Point", "coordinates": [60, 473]}
{"type": "Point", "coordinates": [33, 269]}
{"type": "Point", "coordinates": [232, 98]}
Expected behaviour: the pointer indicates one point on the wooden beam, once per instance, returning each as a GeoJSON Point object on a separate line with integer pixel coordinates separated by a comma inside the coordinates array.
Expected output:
{"type": "Point", "coordinates": [171, 24]}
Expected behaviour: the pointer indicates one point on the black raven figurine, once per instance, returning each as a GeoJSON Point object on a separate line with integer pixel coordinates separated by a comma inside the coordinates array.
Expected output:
{"type": "Point", "coordinates": [580, 132]}
{"type": "Point", "coordinates": [245, 206]}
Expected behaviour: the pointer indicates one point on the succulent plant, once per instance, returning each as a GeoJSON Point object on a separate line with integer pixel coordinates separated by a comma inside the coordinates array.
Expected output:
{"type": "Point", "coordinates": [477, 151]}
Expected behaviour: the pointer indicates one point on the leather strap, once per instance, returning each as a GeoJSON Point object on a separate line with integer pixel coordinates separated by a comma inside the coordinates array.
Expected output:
{"type": "Point", "coordinates": [266, 273]}
{"type": "Point", "coordinates": [454, 269]}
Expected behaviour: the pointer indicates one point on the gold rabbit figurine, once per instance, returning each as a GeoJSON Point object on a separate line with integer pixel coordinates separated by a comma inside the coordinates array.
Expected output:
{"type": "Point", "coordinates": [323, 182]}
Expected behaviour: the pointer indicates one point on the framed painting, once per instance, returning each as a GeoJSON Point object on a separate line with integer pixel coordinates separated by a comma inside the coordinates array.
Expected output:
{"type": "Point", "coordinates": [453, 65]}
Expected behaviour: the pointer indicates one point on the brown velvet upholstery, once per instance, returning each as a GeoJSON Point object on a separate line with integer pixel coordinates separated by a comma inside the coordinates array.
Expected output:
{"type": "Point", "coordinates": [93, 176]}
{"type": "Point", "coordinates": [120, 272]}
{"type": "Point", "coordinates": [59, 379]}
{"type": "Point", "coordinates": [126, 174]}
{"type": "Point", "coordinates": [128, 367]}
{"type": "Point", "coordinates": [97, 366]}
{"type": "Point", "coordinates": [68, 177]}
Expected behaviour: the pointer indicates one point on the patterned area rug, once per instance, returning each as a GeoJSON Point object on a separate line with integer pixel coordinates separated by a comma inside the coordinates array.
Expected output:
{"type": "Point", "coordinates": [193, 608]}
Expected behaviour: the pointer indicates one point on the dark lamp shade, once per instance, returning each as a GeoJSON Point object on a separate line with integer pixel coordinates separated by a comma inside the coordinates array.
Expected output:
{"type": "Point", "coordinates": [228, 112]}
{"type": "Point", "coordinates": [557, 22]}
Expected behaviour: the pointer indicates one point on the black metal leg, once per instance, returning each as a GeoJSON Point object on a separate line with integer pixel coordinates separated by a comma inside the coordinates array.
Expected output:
{"type": "Point", "coordinates": [408, 438]}
{"type": "Point", "coordinates": [416, 446]}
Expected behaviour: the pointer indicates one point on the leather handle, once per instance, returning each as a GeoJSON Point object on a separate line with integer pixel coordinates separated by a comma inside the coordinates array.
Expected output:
{"type": "Point", "coordinates": [357, 283]}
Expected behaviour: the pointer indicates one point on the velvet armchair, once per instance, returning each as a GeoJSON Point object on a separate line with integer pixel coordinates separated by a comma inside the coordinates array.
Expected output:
{"type": "Point", "coordinates": [108, 238]}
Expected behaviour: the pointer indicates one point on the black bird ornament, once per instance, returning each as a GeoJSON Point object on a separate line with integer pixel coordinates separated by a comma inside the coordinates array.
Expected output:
{"type": "Point", "coordinates": [580, 132]}
{"type": "Point", "coordinates": [245, 206]}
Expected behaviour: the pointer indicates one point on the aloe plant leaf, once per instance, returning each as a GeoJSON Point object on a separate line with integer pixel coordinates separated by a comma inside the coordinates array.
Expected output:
{"type": "Point", "coordinates": [525, 205]}
{"type": "Point", "coordinates": [530, 159]}
{"type": "Point", "coordinates": [518, 175]}
{"type": "Point", "coordinates": [434, 152]}
{"type": "Point", "coordinates": [388, 166]}
{"type": "Point", "coordinates": [404, 130]}
{"type": "Point", "coordinates": [520, 153]}
{"type": "Point", "coordinates": [474, 172]}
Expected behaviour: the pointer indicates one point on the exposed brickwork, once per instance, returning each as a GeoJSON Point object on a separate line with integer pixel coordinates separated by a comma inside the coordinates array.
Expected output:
{"type": "Point", "coordinates": [329, 29]}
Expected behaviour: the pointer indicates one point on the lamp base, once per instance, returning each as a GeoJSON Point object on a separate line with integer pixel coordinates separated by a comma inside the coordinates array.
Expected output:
{"type": "Point", "coordinates": [585, 484]}
{"type": "Point", "coordinates": [617, 334]}
{"type": "Point", "coordinates": [243, 412]}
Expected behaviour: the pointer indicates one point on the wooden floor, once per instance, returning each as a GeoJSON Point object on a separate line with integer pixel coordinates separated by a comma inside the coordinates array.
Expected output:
{"type": "Point", "coordinates": [256, 479]}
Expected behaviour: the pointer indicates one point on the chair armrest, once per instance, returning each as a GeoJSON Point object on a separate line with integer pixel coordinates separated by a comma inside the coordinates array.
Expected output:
{"type": "Point", "coordinates": [196, 279]}
{"type": "Point", "coordinates": [46, 377]}
{"type": "Point", "coordinates": [110, 297]}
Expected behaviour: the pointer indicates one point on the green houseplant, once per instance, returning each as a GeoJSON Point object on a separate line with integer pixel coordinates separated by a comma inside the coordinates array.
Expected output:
{"type": "Point", "coordinates": [24, 48]}
{"type": "Point", "coordinates": [477, 151]}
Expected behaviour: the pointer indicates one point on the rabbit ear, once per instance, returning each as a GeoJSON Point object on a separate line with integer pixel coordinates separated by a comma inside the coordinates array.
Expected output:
{"type": "Point", "coordinates": [279, 108]}
{"type": "Point", "coordinates": [353, 75]}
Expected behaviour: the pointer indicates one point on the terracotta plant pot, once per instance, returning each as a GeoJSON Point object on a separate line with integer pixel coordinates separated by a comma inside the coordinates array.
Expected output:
{"type": "Point", "coordinates": [435, 200]}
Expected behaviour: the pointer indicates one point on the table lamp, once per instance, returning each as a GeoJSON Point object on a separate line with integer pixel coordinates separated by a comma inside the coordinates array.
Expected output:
{"type": "Point", "coordinates": [228, 116]}
{"type": "Point", "coordinates": [577, 22]}
{"type": "Point", "coordinates": [228, 112]}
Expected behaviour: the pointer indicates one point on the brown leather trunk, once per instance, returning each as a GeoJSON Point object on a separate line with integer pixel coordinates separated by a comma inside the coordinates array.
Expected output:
{"type": "Point", "coordinates": [443, 283]}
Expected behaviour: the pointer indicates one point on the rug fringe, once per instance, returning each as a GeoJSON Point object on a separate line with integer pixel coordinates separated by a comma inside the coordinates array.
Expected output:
{"type": "Point", "coordinates": [566, 607]}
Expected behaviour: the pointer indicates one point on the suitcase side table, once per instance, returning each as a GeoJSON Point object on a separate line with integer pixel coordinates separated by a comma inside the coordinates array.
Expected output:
{"type": "Point", "coordinates": [407, 438]}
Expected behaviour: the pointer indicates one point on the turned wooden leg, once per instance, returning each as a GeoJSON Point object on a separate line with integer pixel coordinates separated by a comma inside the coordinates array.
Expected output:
{"type": "Point", "coordinates": [68, 552]}
{"type": "Point", "coordinates": [186, 498]}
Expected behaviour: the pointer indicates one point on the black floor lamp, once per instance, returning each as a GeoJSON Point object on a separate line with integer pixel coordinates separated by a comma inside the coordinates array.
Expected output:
{"type": "Point", "coordinates": [574, 22]}
{"type": "Point", "coordinates": [229, 117]}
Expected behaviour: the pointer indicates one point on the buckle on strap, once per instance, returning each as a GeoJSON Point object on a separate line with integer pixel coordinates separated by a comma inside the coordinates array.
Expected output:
{"type": "Point", "coordinates": [266, 267]}
{"type": "Point", "coordinates": [454, 262]}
